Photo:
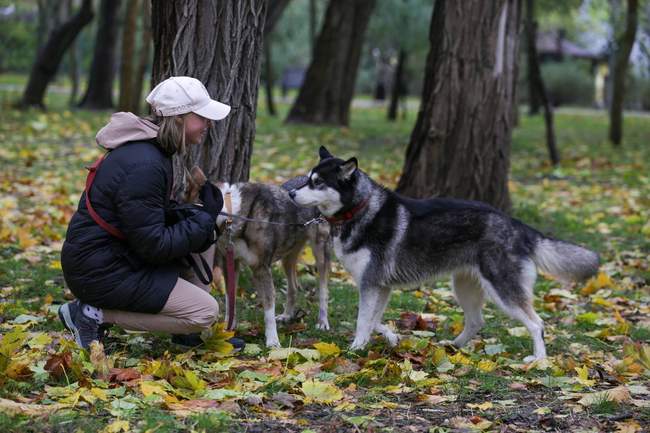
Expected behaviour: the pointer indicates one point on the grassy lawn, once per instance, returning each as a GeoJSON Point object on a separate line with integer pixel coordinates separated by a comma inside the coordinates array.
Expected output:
{"type": "Point", "coordinates": [598, 334]}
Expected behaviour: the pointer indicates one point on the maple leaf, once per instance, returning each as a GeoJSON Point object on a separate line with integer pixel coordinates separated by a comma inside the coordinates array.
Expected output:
{"type": "Point", "coordinates": [320, 392]}
{"type": "Point", "coordinates": [216, 339]}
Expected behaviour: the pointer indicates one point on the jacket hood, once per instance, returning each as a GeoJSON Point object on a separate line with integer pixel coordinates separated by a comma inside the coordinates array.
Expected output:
{"type": "Point", "coordinates": [124, 127]}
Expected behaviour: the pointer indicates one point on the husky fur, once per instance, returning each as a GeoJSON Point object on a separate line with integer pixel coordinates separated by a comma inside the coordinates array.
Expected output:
{"type": "Point", "coordinates": [259, 245]}
{"type": "Point", "coordinates": [394, 241]}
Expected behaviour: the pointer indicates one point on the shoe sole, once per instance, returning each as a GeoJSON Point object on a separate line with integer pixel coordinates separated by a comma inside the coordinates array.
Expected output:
{"type": "Point", "coordinates": [64, 314]}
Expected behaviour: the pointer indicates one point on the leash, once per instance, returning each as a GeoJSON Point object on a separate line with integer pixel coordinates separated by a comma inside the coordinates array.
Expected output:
{"type": "Point", "coordinates": [319, 219]}
{"type": "Point", "coordinates": [230, 267]}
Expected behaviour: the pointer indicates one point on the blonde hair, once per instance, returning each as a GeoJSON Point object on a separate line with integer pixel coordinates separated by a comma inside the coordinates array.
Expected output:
{"type": "Point", "coordinates": [171, 133]}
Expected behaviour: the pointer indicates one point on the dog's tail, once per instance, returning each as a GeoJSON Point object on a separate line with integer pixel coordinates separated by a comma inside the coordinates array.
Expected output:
{"type": "Point", "coordinates": [564, 260]}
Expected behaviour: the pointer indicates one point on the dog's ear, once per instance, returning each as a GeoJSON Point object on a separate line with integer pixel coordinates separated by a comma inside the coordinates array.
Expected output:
{"type": "Point", "coordinates": [324, 153]}
{"type": "Point", "coordinates": [348, 168]}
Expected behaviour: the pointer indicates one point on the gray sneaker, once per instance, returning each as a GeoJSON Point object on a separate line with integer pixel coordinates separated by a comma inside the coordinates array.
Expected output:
{"type": "Point", "coordinates": [84, 328]}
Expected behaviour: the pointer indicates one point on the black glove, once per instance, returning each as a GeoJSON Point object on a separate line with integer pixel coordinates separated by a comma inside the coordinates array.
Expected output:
{"type": "Point", "coordinates": [212, 199]}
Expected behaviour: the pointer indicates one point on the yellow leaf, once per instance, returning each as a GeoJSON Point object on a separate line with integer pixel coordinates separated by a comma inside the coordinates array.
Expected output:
{"type": "Point", "coordinates": [116, 427]}
{"type": "Point", "coordinates": [459, 358]}
{"type": "Point", "coordinates": [152, 388]}
{"type": "Point", "coordinates": [583, 376]}
{"type": "Point", "coordinates": [321, 392]}
{"type": "Point", "coordinates": [542, 410]}
{"type": "Point", "coordinates": [486, 365]}
{"type": "Point", "coordinates": [597, 283]}
{"type": "Point", "coordinates": [482, 406]}
{"type": "Point", "coordinates": [55, 264]}
{"type": "Point", "coordinates": [215, 339]}
{"type": "Point", "coordinates": [98, 358]}
{"type": "Point", "coordinates": [327, 349]}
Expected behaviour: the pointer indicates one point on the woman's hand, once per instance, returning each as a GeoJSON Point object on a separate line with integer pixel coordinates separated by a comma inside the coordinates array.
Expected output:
{"type": "Point", "coordinates": [212, 199]}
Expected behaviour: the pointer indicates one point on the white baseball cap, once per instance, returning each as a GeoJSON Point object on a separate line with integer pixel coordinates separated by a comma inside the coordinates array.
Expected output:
{"type": "Point", "coordinates": [180, 95]}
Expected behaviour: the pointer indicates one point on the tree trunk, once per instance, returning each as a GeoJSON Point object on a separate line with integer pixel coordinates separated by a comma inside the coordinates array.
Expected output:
{"type": "Point", "coordinates": [144, 56]}
{"type": "Point", "coordinates": [268, 77]}
{"type": "Point", "coordinates": [49, 57]}
{"type": "Point", "coordinates": [327, 92]}
{"type": "Point", "coordinates": [398, 86]}
{"type": "Point", "coordinates": [313, 12]}
{"type": "Point", "coordinates": [127, 67]}
{"type": "Point", "coordinates": [624, 46]}
{"type": "Point", "coordinates": [533, 60]}
{"type": "Point", "coordinates": [219, 43]}
{"type": "Point", "coordinates": [537, 82]}
{"type": "Point", "coordinates": [460, 145]}
{"type": "Point", "coordinates": [273, 14]}
{"type": "Point", "coordinates": [73, 62]}
{"type": "Point", "coordinates": [99, 95]}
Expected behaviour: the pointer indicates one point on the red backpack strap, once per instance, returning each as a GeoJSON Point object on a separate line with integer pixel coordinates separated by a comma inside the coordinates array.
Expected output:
{"type": "Point", "coordinates": [94, 215]}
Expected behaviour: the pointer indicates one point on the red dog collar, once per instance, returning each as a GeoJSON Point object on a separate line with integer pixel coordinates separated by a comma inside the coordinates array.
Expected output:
{"type": "Point", "coordinates": [342, 217]}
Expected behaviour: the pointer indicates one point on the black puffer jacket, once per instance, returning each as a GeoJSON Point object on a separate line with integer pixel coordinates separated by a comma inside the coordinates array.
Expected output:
{"type": "Point", "coordinates": [130, 192]}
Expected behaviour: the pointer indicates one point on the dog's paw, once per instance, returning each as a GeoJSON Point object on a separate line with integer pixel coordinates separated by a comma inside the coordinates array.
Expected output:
{"type": "Point", "coordinates": [323, 325]}
{"type": "Point", "coordinates": [532, 358]}
{"type": "Point", "coordinates": [284, 317]}
{"type": "Point", "coordinates": [392, 338]}
{"type": "Point", "coordinates": [273, 344]}
{"type": "Point", "coordinates": [447, 343]}
{"type": "Point", "coordinates": [358, 344]}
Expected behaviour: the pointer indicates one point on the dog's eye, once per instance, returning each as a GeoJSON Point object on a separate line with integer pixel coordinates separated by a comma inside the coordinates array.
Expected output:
{"type": "Point", "coordinates": [317, 182]}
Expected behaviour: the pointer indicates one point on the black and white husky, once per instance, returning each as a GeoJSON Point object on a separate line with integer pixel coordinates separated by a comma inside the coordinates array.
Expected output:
{"type": "Point", "coordinates": [386, 240]}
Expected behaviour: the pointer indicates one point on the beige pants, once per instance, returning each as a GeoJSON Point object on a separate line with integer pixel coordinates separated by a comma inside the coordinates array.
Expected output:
{"type": "Point", "coordinates": [189, 308]}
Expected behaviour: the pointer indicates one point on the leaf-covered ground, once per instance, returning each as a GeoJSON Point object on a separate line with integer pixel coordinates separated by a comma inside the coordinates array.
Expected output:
{"type": "Point", "coordinates": [595, 378]}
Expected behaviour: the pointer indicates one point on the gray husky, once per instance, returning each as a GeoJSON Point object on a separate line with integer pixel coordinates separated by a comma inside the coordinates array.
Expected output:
{"type": "Point", "coordinates": [267, 227]}
{"type": "Point", "coordinates": [386, 240]}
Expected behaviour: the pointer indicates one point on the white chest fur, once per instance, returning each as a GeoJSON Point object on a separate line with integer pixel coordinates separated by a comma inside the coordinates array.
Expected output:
{"type": "Point", "coordinates": [355, 263]}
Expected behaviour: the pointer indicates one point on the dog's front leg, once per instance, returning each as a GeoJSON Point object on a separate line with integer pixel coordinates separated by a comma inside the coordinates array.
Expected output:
{"type": "Point", "coordinates": [365, 325]}
{"type": "Point", "coordinates": [383, 296]}
{"type": "Point", "coordinates": [323, 264]}
{"type": "Point", "coordinates": [263, 282]}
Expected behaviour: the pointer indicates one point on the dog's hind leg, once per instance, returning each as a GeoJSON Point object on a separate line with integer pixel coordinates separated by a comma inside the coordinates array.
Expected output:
{"type": "Point", "coordinates": [470, 296]}
{"type": "Point", "coordinates": [320, 247]}
{"type": "Point", "coordinates": [290, 263]}
{"type": "Point", "coordinates": [515, 298]}
{"type": "Point", "coordinates": [263, 282]}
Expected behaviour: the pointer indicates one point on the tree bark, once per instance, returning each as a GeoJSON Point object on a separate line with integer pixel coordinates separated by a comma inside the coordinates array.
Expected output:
{"type": "Point", "coordinates": [219, 43]}
{"type": "Point", "coordinates": [327, 92]}
{"type": "Point", "coordinates": [99, 95]}
{"type": "Point", "coordinates": [144, 56]}
{"type": "Point", "coordinates": [460, 145]}
{"type": "Point", "coordinates": [49, 57]}
{"type": "Point", "coordinates": [397, 91]}
{"type": "Point", "coordinates": [624, 46]}
{"type": "Point", "coordinates": [533, 60]}
{"type": "Point", "coordinates": [127, 67]}
{"type": "Point", "coordinates": [313, 12]}
{"type": "Point", "coordinates": [536, 82]}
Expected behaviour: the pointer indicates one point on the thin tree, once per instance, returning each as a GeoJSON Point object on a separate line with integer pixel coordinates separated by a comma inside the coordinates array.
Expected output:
{"type": "Point", "coordinates": [623, 48]}
{"type": "Point", "coordinates": [49, 57]}
{"type": "Point", "coordinates": [144, 57]}
{"type": "Point", "coordinates": [219, 43]}
{"type": "Point", "coordinates": [327, 91]}
{"type": "Point", "coordinates": [99, 95]}
{"type": "Point", "coordinates": [127, 67]}
{"type": "Point", "coordinates": [536, 82]}
{"type": "Point", "coordinates": [460, 145]}
{"type": "Point", "coordinates": [273, 14]}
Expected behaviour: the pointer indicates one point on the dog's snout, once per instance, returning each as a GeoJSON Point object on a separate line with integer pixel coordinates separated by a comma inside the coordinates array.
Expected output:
{"type": "Point", "coordinates": [292, 193]}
